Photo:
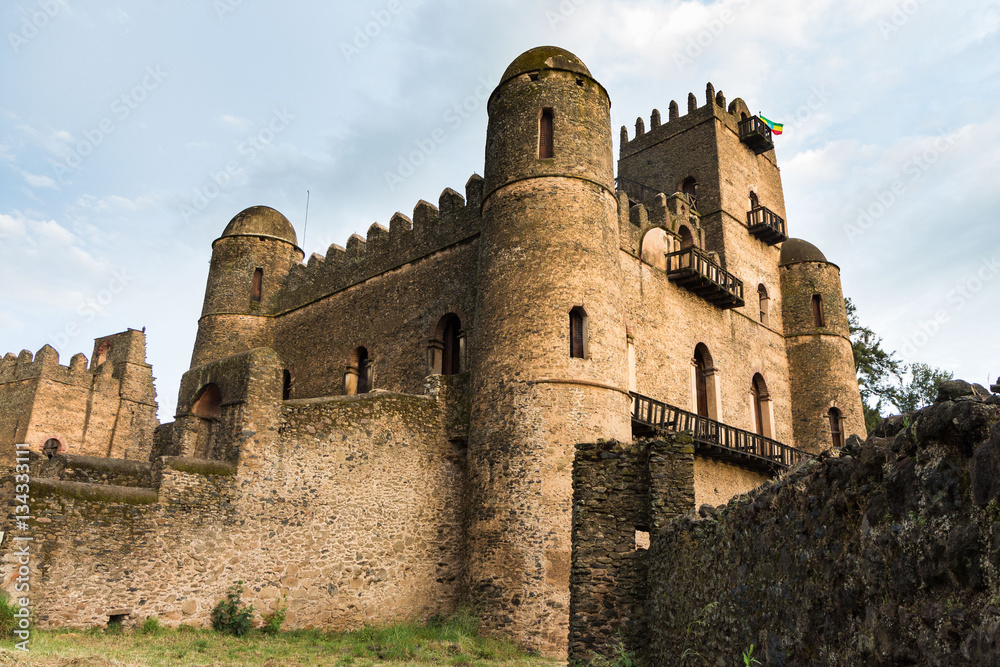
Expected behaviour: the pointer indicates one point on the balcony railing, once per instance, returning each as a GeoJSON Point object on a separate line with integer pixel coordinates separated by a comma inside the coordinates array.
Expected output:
{"type": "Point", "coordinates": [694, 270]}
{"type": "Point", "coordinates": [766, 225]}
{"type": "Point", "coordinates": [716, 439]}
{"type": "Point", "coordinates": [756, 134]}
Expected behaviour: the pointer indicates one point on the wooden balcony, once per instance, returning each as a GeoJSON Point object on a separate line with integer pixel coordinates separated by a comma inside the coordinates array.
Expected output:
{"type": "Point", "coordinates": [756, 135]}
{"type": "Point", "coordinates": [695, 271]}
{"type": "Point", "coordinates": [715, 439]}
{"type": "Point", "coordinates": [766, 225]}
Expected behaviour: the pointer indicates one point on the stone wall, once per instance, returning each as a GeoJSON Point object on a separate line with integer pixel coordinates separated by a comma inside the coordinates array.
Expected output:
{"type": "Point", "coordinates": [883, 553]}
{"type": "Point", "coordinates": [621, 494]}
{"type": "Point", "coordinates": [297, 518]}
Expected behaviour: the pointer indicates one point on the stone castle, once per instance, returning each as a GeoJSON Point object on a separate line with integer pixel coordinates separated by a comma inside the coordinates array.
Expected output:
{"type": "Point", "coordinates": [400, 426]}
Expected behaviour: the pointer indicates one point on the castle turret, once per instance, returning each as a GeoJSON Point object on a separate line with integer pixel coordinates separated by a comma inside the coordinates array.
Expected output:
{"type": "Point", "coordinates": [827, 405]}
{"type": "Point", "coordinates": [548, 358]}
{"type": "Point", "coordinates": [249, 264]}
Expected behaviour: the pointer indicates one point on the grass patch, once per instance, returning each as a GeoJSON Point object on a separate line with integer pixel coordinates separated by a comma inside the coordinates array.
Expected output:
{"type": "Point", "coordinates": [454, 640]}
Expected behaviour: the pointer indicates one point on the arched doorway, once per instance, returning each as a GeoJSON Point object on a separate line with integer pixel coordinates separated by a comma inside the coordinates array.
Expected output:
{"type": "Point", "coordinates": [763, 417]}
{"type": "Point", "coordinates": [836, 427]}
{"type": "Point", "coordinates": [359, 376]}
{"type": "Point", "coordinates": [705, 392]}
{"type": "Point", "coordinates": [207, 407]}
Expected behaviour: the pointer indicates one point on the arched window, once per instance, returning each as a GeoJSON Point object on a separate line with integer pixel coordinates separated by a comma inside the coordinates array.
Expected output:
{"type": "Point", "coordinates": [546, 146]}
{"type": "Point", "coordinates": [208, 404]}
{"type": "Point", "coordinates": [836, 425]}
{"type": "Point", "coordinates": [359, 376]}
{"type": "Point", "coordinates": [51, 447]}
{"type": "Point", "coordinates": [754, 203]}
{"type": "Point", "coordinates": [690, 188]}
{"type": "Point", "coordinates": [764, 301]}
{"type": "Point", "coordinates": [578, 333]}
{"type": "Point", "coordinates": [446, 351]}
{"type": "Point", "coordinates": [687, 239]}
{"type": "Point", "coordinates": [762, 418]}
{"type": "Point", "coordinates": [257, 285]}
{"type": "Point", "coordinates": [817, 307]}
{"type": "Point", "coordinates": [286, 384]}
{"type": "Point", "coordinates": [704, 389]}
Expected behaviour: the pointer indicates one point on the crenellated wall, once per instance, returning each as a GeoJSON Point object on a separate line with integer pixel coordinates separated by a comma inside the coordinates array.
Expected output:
{"type": "Point", "coordinates": [108, 409]}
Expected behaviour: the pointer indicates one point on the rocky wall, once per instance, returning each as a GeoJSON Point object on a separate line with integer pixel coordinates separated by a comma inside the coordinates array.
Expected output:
{"type": "Point", "coordinates": [886, 552]}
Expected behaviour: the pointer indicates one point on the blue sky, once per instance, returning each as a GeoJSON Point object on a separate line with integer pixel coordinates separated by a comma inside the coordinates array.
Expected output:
{"type": "Point", "coordinates": [132, 132]}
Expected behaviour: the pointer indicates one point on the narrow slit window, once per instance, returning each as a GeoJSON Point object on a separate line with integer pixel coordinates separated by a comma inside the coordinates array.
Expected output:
{"type": "Point", "coordinates": [764, 301]}
{"type": "Point", "coordinates": [578, 333]}
{"type": "Point", "coordinates": [545, 142]}
{"type": "Point", "coordinates": [836, 431]}
{"type": "Point", "coordinates": [286, 385]}
{"type": "Point", "coordinates": [257, 284]}
{"type": "Point", "coordinates": [817, 306]}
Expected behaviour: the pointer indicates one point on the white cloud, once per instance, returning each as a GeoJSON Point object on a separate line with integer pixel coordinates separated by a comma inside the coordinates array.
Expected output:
{"type": "Point", "coordinates": [37, 181]}
{"type": "Point", "coordinates": [237, 122]}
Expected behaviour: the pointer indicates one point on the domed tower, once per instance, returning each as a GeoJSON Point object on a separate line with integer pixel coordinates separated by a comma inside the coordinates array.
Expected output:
{"type": "Point", "coordinates": [548, 351]}
{"type": "Point", "coordinates": [826, 403]}
{"type": "Point", "coordinates": [249, 264]}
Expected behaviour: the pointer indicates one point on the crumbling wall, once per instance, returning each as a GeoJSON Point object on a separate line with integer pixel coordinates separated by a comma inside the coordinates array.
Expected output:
{"type": "Point", "coordinates": [884, 553]}
{"type": "Point", "coordinates": [622, 493]}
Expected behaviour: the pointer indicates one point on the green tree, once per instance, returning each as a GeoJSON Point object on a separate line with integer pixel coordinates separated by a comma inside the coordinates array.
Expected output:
{"type": "Point", "coordinates": [881, 375]}
{"type": "Point", "coordinates": [879, 372]}
{"type": "Point", "coordinates": [922, 388]}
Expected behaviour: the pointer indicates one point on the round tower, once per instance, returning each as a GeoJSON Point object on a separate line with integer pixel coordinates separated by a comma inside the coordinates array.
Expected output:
{"type": "Point", "coordinates": [548, 353]}
{"type": "Point", "coordinates": [249, 264]}
{"type": "Point", "coordinates": [826, 403]}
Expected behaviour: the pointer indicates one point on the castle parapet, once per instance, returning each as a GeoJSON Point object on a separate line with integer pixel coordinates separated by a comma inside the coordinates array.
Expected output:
{"type": "Point", "coordinates": [431, 228]}
{"type": "Point", "coordinates": [714, 107]}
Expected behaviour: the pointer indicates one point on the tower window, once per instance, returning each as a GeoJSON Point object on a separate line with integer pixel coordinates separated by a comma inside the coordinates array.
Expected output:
{"type": "Point", "coordinates": [578, 333]}
{"type": "Point", "coordinates": [817, 306]}
{"type": "Point", "coordinates": [836, 433]}
{"type": "Point", "coordinates": [762, 417]}
{"type": "Point", "coordinates": [286, 384]}
{"type": "Point", "coordinates": [690, 188]}
{"type": "Point", "coordinates": [257, 284]}
{"type": "Point", "coordinates": [764, 303]}
{"type": "Point", "coordinates": [451, 360]}
{"type": "Point", "coordinates": [545, 141]}
{"type": "Point", "coordinates": [687, 239]}
{"type": "Point", "coordinates": [754, 202]}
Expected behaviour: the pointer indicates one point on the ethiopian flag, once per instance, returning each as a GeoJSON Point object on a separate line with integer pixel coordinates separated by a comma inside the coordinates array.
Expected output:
{"type": "Point", "coordinates": [775, 127]}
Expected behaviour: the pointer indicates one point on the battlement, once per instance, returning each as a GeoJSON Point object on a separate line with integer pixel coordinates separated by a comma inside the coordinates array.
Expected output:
{"type": "Point", "coordinates": [431, 228]}
{"type": "Point", "coordinates": [666, 212]}
{"type": "Point", "coordinates": [714, 107]}
{"type": "Point", "coordinates": [44, 365]}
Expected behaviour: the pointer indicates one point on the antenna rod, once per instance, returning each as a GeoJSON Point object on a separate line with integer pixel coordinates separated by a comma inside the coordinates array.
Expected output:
{"type": "Point", "coordinates": [305, 225]}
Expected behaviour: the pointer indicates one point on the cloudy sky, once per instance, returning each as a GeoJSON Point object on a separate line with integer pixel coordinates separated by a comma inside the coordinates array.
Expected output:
{"type": "Point", "coordinates": [131, 132]}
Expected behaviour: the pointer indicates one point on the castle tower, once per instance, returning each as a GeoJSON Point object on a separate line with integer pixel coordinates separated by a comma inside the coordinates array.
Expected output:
{"type": "Point", "coordinates": [827, 405]}
{"type": "Point", "coordinates": [548, 348]}
{"type": "Point", "coordinates": [723, 158]}
{"type": "Point", "coordinates": [249, 264]}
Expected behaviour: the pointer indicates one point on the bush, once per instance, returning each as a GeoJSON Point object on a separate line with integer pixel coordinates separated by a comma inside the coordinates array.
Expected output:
{"type": "Point", "coordinates": [151, 626]}
{"type": "Point", "coordinates": [273, 620]}
{"type": "Point", "coordinates": [230, 615]}
{"type": "Point", "coordinates": [7, 619]}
